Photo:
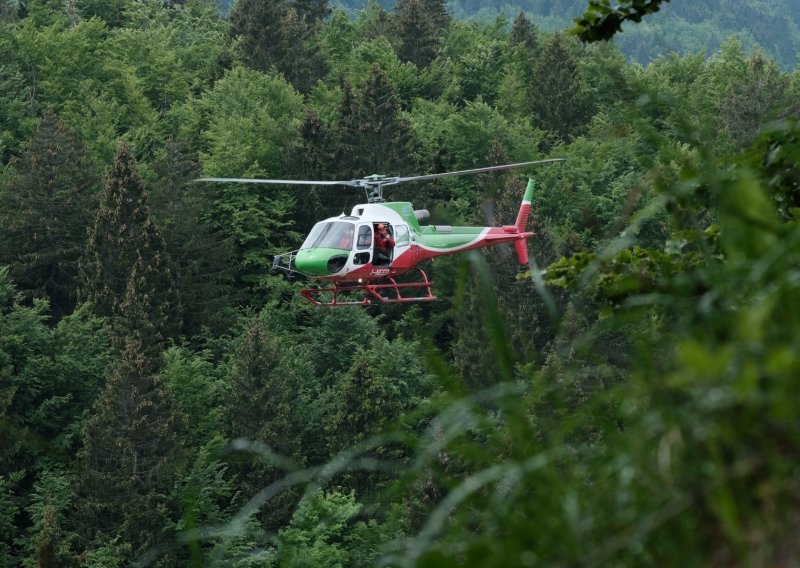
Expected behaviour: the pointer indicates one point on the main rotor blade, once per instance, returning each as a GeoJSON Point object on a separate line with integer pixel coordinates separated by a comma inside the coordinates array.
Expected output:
{"type": "Point", "coordinates": [474, 171]}
{"type": "Point", "coordinates": [279, 181]}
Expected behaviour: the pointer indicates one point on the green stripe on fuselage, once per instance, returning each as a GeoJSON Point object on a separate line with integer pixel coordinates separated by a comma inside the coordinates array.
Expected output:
{"type": "Point", "coordinates": [453, 237]}
{"type": "Point", "coordinates": [314, 261]}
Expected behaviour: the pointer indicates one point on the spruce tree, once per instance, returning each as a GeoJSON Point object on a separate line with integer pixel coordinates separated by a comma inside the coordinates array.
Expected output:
{"type": "Point", "coordinates": [752, 99]}
{"type": "Point", "coordinates": [530, 325]}
{"type": "Point", "coordinates": [366, 403]}
{"type": "Point", "coordinates": [259, 407]}
{"type": "Point", "coordinates": [374, 21]}
{"type": "Point", "coordinates": [312, 11]}
{"type": "Point", "coordinates": [141, 317]}
{"type": "Point", "coordinates": [346, 133]}
{"type": "Point", "coordinates": [200, 257]}
{"type": "Point", "coordinates": [260, 410]}
{"type": "Point", "coordinates": [524, 32]}
{"type": "Point", "coordinates": [473, 356]}
{"type": "Point", "coordinates": [421, 25]}
{"type": "Point", "coordinates": [559, 96]}
{"type": "Point", "coordinates": [315, 154]}
{"type": "Point", "coordinates": [45, 209]}
{"type": "Point", "coordinates": [273, 34]}
{"type": "Point", "coordinates": [132, 443]}
{"type": "Point", "coordinates": [257, 25]}
{"type": "Point", "coordinates": [314, 160]}
{"type": "Point", "coordinates": [123, 234]}
{"type": "Point", "coordinates": [374, 135]}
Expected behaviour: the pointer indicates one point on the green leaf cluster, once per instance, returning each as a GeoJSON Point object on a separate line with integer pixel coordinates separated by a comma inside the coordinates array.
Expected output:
{"type": "Point", "coordinates": [601, 21]}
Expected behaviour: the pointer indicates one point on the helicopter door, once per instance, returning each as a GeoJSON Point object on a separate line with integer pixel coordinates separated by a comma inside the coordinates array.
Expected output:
{"type": "Point", "coordinates": [363, 245]}
{"type": "Point", "coordinates": [383, 256]}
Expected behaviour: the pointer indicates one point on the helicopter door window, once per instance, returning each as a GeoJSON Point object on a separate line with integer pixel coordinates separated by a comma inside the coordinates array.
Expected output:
{"type": "Point", "coordinates": [401, 235]}
{"type": "Point", "coordinates": [363, 244]}
{"type": "Point", "coordinates": [364, 237]}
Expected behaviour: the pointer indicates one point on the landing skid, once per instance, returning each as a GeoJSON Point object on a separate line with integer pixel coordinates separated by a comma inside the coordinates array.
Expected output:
{"type": "Point", "coordinates": [388, 291]}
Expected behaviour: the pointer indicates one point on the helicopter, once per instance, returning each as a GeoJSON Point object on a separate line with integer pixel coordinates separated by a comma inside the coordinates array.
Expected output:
{"type": "Point", "coordinates": [341, 254]}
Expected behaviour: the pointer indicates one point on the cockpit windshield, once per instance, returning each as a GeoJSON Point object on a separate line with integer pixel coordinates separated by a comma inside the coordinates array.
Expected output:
{"type": "Point", "coordinates": [330, 234]}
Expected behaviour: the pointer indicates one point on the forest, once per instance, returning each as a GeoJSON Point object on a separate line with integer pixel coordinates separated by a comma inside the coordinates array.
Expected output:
{"type": "Point", "coordinates": [629, 398]}
{"type": "Point", "coordinates": [680, 26]}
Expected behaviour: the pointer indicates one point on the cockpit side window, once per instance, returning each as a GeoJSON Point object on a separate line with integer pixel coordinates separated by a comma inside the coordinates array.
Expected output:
{"type": "Point", "coordinates": [364, 237]}
{"type": "Point", "coordinates": [330, 234]}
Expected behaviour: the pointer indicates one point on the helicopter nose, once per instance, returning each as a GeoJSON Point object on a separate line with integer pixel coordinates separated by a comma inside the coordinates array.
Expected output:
{"type": "Point", "coordinates": [320, 262]}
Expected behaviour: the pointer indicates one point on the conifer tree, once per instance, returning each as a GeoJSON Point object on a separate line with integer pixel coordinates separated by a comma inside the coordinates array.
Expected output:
{"type": "Point", "coordinates": [754, 97]}
{"type": "Point", "coordinates": [421, 25]}
{"type": "Point", "coordinates": [473, 356]}
{"type": "Point", "coordinates": [529, 324]}
{"type": "Point", "coordinates": [315, 159]}
{"type": "Point", "coordinates": [45, 209]}
{"type": "Point", "coordinates": [346, 132]}
{"type": "Point", "coordinates": [257, 24]}
{"type": "Point", "coordinates": [260, 394]}
{"type": "Point", "coordinates": [524, 32]}
{"type": "Point", "coordinates": [374, 21]}
{"type": "Point", "coordinates": [200, 257]}
{"type": "Point", "coordinates": [123, 234]}
{"type": "Point", "coordinates": [315, 154]}
{"type": "Point", "coordinates": [141, 317]}
{"type": "Point", "coordinates": [132, 443]}
{"type": "Point", "coordinates": [260, 410]}
{"type": "Point", "coordinates": [374, 135]}
{"type": "Point", "coordinates": [559, 97]}
{"type": "Point", "coordinates": [312, 11]}
{"type": "Point", "coordinates": [367, 399]}
{"type": "Point", "coordinates": [275, 34]}
{"type": "Point", "coordinates": [383, 382]}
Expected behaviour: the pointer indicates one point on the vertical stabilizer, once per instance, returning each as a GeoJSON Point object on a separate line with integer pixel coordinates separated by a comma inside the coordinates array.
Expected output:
{"type": "Point", "coordinates": [521, 246]}
{"type": "Point", "coordinates": [525, 208]}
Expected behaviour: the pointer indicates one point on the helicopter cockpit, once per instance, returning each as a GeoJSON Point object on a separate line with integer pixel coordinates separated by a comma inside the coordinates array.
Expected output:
{"type": "Point", "coordinates": [327, 249]}
{"type": "Point", "coordinates": [330, 235]}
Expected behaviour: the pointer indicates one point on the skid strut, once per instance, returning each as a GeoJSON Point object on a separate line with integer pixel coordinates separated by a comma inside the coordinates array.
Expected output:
{"type": "Point", "coordinates": [389, 292]}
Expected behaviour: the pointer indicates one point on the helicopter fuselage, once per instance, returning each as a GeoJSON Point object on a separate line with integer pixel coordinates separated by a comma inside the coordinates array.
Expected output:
{"type": "Point", "coordinates": [342, 249]}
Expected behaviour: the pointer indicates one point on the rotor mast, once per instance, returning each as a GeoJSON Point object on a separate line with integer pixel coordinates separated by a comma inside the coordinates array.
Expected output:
{"type": "Point", "coordinates": [373, 186]}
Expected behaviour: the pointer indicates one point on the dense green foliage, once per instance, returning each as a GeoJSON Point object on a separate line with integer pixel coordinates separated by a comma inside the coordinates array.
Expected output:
{"type": "Point", "coordinates": [602, 21]}
{"type": "Point", "coordinates": [631, 399]}
{"type": "Point", "coordinates": [650, 28]}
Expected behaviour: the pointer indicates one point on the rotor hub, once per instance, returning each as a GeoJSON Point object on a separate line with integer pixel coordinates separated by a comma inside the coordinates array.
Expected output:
{"type": "Point", "coordinates": [373, 186]}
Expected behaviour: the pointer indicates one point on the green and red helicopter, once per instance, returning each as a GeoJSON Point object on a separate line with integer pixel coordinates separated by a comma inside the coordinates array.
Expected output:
{"type": "Point", "coordinates": [340, 254]}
